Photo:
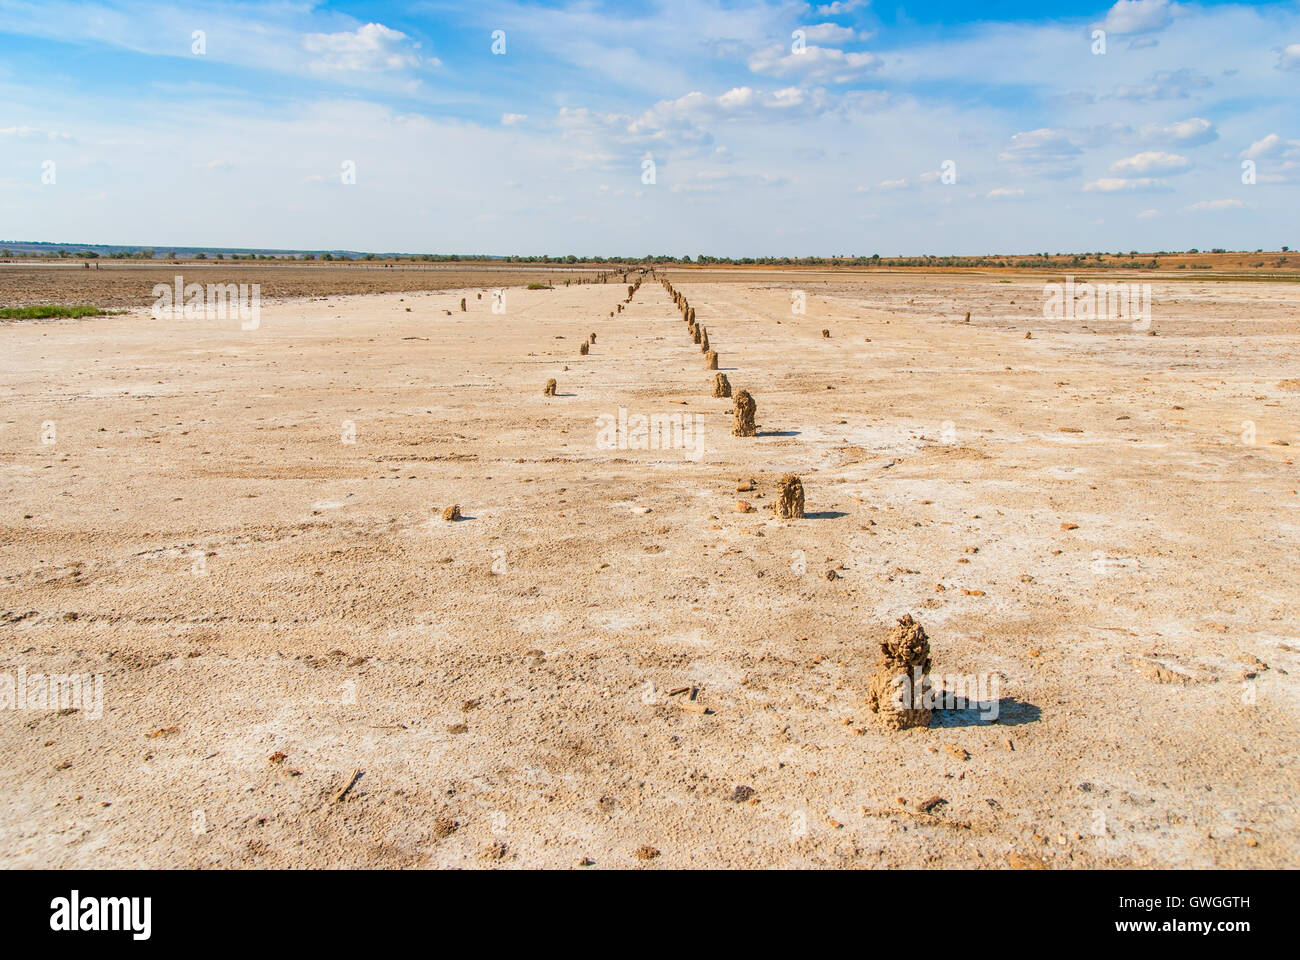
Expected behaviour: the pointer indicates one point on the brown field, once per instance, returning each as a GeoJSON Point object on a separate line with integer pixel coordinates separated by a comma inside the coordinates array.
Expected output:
{"type": "Point", "coordinates": [119, 283]}
{"type": "Point", "coordinates": [305, 665]}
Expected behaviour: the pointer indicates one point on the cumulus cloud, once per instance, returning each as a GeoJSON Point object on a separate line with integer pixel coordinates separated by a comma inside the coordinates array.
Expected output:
{"type": "Point", "coordinates": [839, 6]}
{"type": "Point", "coordinates": [1044, 152]}
{"type": "Point", "coordinates": [369, 49]}
{"type": "Point", "coordinates": [1127, 185]}
{"type": "Point", "coordinates": [1149, 162]}
{"type": "Point", "coordinates": [513, 119]}
{"type": "Point", "coordinates": [31, 133]}
{"type": "Point", "coordinates": [1164, 85]}
{"type": "Point", "coordinates": [1190, 132]}
{"type": "Point", "coordinates": [686, 121]}
{"type": "Point", "coordinates": [831, 33]}
{"type": "Point", "coordinates": [1262, 148]}
{"type": "Point", "coordinates": [1289, 58]}
{"type": "Point", "coordinates": [1210, 206]}
{"type": "Point", "coordinates": [815, 63]}
{"type": "Point", "coordinates": [1138, 16]}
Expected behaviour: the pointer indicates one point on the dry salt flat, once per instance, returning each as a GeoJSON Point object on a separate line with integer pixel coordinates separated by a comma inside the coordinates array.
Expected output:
{"type": "Point", "coordinates": [604, 662]}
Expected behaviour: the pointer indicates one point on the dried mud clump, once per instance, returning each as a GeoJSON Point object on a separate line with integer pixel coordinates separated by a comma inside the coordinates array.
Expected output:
{"type": "Point", "coordinates": [711, 360]}
{"type": "Point", "coordinates": [826, 334]}
{"type": "Point", "coordinates": [549, 389]}
{"type": "Point", "coordinates": [704, 340]}
{"type": "Point", "coordinates": [452, 512]}
{"type": "Point", "coordinates": [789, 504]}
{"type": "Point", "coordinates": [721, 385]}
{"type": "Point", "coordinates": [902, 677]}
{"type": "Point", "coordinates": [695, 333]}
{"type": "Point", "coordinates": [583, 348]}
{"type": "Point", "coordinates": [462, 304]}
{"type": "Point", "coordinates": [592, 338]}
{"type": "Point", "coordinates": [743, 416]}
{"type": "Point", "coordinates": [690, 314]}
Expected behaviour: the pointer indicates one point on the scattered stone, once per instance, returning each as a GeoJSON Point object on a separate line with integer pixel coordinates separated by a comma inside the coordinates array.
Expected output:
{"type": "Point", "coordinates": [452, 512]}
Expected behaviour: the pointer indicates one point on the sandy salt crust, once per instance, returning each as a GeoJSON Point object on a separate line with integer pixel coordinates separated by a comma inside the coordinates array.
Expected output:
{"type": "Point", "coordinates": [502, 682]}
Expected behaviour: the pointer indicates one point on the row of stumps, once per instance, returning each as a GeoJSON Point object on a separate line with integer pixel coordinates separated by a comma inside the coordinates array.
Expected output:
{"type": "Point", "coordinates": [905, 652]}
{"type": "Point", "coordinates": [790, 504]}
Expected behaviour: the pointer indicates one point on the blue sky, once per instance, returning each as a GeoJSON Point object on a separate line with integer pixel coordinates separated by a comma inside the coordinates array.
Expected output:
{"type": "Point", "coordinates": [762, 142]}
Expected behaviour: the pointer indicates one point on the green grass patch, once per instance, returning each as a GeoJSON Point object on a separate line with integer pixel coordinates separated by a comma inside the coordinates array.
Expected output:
{"type": "Point", "coordinates": [540, 286]}
{"type": "Point", "coordinates": [46, 311]}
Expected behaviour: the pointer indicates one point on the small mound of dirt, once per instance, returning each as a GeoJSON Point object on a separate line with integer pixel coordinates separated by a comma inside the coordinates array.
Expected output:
{"type": "Point", "coordinates": [789, 504]}
{"type": "Point", "coordinates": [901, 679]}
{"type": "Point", "coordinates": [743, 415]}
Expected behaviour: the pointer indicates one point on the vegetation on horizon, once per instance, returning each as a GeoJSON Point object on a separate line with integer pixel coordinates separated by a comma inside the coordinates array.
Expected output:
{"type": "Point", "coordinates": [47, 311]}
{"type": "Point", "coordinates": [1131, 259]}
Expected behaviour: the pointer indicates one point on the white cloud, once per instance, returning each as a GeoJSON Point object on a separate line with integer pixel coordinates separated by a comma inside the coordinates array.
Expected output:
{"type": "Point", "coordinates": [831, 33]}
{"type": "Point", "coordinates": [1004, 192]}
{"type": "Point", "coordinates": [1289, 59]}
{"type": "Point", "coordinates": [1151, 161]}
{"type": "Point", "coordinates": [1190, 132]}
{"type": "Point", "coordinates": [1148, 214]}
{"type": "Point", "coordinates": [893, 184]}
{"type": "Point", "coordinates": [513, 119]}
{"type": "Point", "coordinates": [1137, 16]}
{"type": "Point", "coordinates": [1213, 205]}
{"type": "Point", "coordinates": [1262, 148]}
{"type": "Point", "coordinates": [840, 6]}
{"type": "Point", "coordinates": [367, 49]}
{"type": "Point", "coordinates": [30, 133]}
{"type": "Point", "coordinates": [1045, 152]}
{"type": "Point", "coordinates": [1164, 85]}
{"type": "Point", "coordinates": [815, 63]}
{"type": "Point", "coordinates": [1125, 185]}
